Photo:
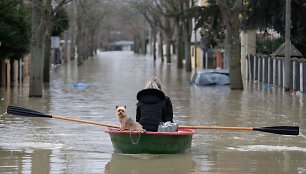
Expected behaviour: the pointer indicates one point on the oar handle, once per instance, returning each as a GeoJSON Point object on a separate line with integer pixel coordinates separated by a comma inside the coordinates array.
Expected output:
{"type": "Point", "coordinates": [84, 121]}
{"type": "Point", "coordinates": [217, 127]}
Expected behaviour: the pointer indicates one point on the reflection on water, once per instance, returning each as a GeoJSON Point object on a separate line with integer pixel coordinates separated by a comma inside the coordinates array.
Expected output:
{"type": "Point", "coordinates": [172, 164]}
{"type": "Point", "coordinates": [265, 148]}
{"type": "Point", "coordinates": [37, 161]}
{"type": "Point", "coordinates": [42, 145]}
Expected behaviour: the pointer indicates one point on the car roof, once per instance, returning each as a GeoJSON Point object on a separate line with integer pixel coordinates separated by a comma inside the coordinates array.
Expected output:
{"type": "Point", "coordinates": [225, 71]}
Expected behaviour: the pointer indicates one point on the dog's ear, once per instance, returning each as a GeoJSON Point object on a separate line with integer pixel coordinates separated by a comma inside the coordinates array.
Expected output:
{"type": "Point", "coordinates": [125, 106]}
{"type": "Point", "coordinates": [117, 107]}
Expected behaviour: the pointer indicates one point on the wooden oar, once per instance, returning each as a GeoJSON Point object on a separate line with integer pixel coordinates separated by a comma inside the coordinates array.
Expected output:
{"type": "Point", "coordinates": [283, 130]}
{"type": "Point", "coordinates": [14, 110]}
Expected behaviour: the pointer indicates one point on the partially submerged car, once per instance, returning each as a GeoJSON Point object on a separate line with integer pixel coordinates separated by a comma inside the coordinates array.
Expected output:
{"type": "Point", "coordinates": [207, 77]}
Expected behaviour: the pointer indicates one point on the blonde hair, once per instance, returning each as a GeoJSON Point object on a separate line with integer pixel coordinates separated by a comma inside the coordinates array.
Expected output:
{"type": "Point", "coordinates": [157, 82]}
{"type": "Point", "coordinates": [151, 85]}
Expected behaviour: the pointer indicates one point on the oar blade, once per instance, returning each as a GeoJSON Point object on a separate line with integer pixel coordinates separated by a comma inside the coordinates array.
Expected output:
{"type": "Point", "coordinates": [283, 130]}
{"type": "Point", "coordinates": [14, 110]}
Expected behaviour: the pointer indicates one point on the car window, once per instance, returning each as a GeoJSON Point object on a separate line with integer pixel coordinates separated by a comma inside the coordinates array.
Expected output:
{"type": "Point", "coordinates": [212, 79]}
{"type": "Point", "coordinates": [206, 79]}
{"type": "Point", "coordinates": [223, 79]}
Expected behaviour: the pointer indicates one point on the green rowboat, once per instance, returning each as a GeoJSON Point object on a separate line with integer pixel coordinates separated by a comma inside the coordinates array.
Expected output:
{"type": "Point", "coordinates": [136, 142]}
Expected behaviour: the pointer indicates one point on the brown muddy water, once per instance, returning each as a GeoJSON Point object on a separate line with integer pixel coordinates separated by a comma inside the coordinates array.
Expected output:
{"type": "Point", "coordinates": [43, 145]}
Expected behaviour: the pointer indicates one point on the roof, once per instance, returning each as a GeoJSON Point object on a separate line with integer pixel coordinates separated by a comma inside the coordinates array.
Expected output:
{"type": "Point", "coordinates": [280, 52]}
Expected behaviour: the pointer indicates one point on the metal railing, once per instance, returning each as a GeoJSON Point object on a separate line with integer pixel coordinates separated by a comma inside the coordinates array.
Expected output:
{"type": "Point", "coordinates": [270, 70]}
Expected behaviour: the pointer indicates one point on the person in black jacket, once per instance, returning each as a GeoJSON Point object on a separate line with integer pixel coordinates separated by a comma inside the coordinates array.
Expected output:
{"type": "Point", "coordinates": [169, 109]}
{"type": "Point", "coordinates": [153, 106]}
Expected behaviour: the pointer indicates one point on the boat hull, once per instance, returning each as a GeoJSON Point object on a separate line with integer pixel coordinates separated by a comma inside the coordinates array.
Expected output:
{"type": "Point", "coordinates": [151, 142]}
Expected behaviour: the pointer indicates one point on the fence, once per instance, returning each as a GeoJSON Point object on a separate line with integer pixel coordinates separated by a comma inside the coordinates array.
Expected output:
{"type": "Point", "coordinates": [269, 70]}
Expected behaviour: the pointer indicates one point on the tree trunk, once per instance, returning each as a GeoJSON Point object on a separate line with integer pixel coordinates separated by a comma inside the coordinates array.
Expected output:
{"type": "Point", "coordinates": [79, 47]}
{"type": "Point", "coordinates": [40, 12]}
{"type": "Point", "coordinates": [168, 33]}
{"type": "Point", "coordinates": [187, 56]}
{"type": "Point", "coordinates": [143, 42]}
{"type": "Point", "coordinates": [179, 46]}
{"type": "Point", "coordinates": [87, 43]}
{"type": "Point", "coordinates": [161, 47]}
{"type": "Point", "coordinates": [231, 19]}
{"type": "Point", "coordinates": [187, 30]}
{"type": "Point", "coordinates": [168, 50]}
{"type": "Point", "coordinates": [287, 64]}
{"type": "Point", "coordinates": [91, 45]}
{"type": "Point", "coordinates": [186, 35]}
{"type": "Point", "coordinates": [66, 48]}
{"type": "Point", "coordinates": [154, 44]}
{"type": "Point", "coordinates": [2, 72]}
{"type": "Point", "coordinates": [80, 39]}
{"type": "Point", "coordinates": [136, 43]}
{"type": "Point", "coordinates": [47, 54]}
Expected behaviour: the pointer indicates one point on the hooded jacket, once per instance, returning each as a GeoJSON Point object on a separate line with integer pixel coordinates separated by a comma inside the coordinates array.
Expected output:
{"type": "Point", "coordinates": [151, 108]}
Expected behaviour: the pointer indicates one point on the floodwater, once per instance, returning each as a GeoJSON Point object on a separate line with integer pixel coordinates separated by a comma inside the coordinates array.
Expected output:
{"type": "Point", "coordinates": [44, 145]}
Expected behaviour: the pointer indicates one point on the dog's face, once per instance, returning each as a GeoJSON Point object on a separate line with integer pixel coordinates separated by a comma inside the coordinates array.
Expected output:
{"type": "Point", "coordinates": [120, 110]}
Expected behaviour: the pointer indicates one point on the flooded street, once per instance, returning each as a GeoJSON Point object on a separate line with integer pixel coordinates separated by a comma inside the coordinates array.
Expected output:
{"type": "Point", "coordinates": [43, 145]}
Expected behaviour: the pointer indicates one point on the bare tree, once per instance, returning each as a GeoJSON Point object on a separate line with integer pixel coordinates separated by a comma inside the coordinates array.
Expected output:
{"type": "Point", "coordinates": [177, 8]}
{"type": "Point", "coordinates": [41, 10]}
{"type": "Point", "coordinates": [41, 45]}
{"type": "Point", "coordinates": [157, 14]}
{"type": "Point", "coordinates": [143, 7]}
{"type": "Point", "coordinates": [89, 15]}
{"type": "Point", "coordinates": [131, 25]}
{"type": "Point", "coordinates": [47, 55]}
{"type": "Point", "coordinates": [187, 30]}
{"type": "Point", "coordinates": [167, 24]}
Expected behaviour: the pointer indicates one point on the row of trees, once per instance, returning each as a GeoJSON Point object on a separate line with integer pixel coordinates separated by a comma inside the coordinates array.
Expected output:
{"type": "Point", "coordinates": [91, 22]}
{"type": "Point", "coordinates": [221, 21]}
{"type": "Point", "coordinates": [28, 28]}
{"type": "Point", "coordinates": [167, 16]}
